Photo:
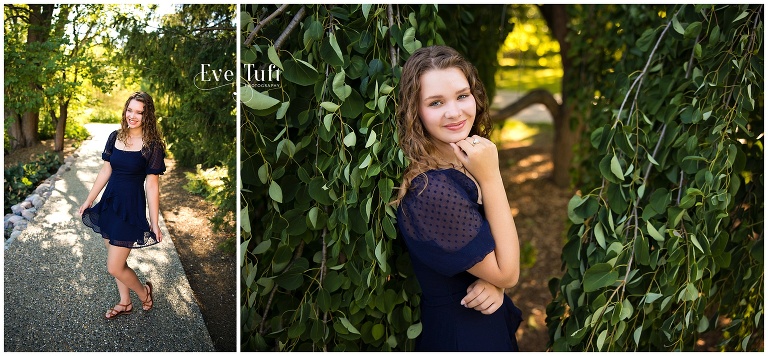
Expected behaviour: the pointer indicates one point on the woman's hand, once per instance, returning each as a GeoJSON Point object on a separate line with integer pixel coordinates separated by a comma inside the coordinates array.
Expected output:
{"type": "Point", "coordinates": [158, 233]}
{"type": "Point", "coordinates": [85, 205]}
{"type": "Point", "coordinates": [483, 297]}
{"type": "Point", "coordinates": [479, 156]}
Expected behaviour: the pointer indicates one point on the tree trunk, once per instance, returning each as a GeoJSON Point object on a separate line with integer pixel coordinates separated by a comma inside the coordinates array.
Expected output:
{"type": "Point", "coordinates": [40, 17]}
{"type": "Point", "coordinates": [14, 130]}
{"type": "Point", "coordinates": [566, 131]}
{"type": "Point", "coordinates": [61, 125]}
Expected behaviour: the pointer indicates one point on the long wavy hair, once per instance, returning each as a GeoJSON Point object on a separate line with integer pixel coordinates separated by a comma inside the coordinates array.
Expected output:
{"type": "Point", "coordinates": [413, 137]}
{"type": "Point", "coordinates": [149, 130]}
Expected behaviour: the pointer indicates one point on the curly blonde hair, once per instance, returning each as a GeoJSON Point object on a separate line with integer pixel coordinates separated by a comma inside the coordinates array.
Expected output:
{"type": "Point", "coordinates": [413, 137]}
{"type": "Point", "coordinates": [149, 130]}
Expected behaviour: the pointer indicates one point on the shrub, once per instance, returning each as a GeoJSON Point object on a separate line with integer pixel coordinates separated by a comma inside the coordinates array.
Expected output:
{"type": "Point", "coordinates": [22, 179]}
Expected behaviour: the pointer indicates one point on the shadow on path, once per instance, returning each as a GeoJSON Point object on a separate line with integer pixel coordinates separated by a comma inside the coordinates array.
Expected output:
{"type": "Point", "coordinates": [56, 288]}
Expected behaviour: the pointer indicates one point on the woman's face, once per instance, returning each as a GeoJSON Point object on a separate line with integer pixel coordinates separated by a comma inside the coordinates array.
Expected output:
{"type": "Point", "coordinates": [134, 114]}
{"type": "Point", "coordinates": [446, 107]}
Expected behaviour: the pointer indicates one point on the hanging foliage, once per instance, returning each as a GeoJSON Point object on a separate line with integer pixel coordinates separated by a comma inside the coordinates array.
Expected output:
{"type": "Point", "coordinates": [667, 232]}
{"type": "Point", "coordinates": [321, 263]}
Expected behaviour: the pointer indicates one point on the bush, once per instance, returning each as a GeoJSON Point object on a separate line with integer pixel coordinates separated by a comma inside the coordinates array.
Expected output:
{"type": "Point", "coordinates": [208, 183]}
{"type": "Point", "coordinates": [22, 179]}
{"type": "Point", "coordinates": [104, 116]}
{"type": "Point", "coordinates": [74, 130]}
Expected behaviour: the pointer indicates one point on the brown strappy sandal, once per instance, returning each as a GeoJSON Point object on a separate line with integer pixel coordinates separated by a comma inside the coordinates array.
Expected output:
{"type": "Point", "coordinates": [114, 313]}
{"type": "Point", "coordinates": [150, 302]}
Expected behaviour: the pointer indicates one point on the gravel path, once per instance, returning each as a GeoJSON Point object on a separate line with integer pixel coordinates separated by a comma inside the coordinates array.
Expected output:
{"type": "Point", "coordinates": [57, 289]}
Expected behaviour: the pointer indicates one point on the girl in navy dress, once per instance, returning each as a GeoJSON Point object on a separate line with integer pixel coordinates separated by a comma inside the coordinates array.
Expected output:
{"type": "Point", "coordinates": [453, 211]}
{"type": "Point", "coordinates": [133, 154]}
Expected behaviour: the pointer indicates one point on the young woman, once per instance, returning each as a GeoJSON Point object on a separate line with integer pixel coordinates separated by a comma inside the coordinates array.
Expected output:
{"type": "Point", "coordinates": [453, 211]}
{"type": "Point", "coordinates": [133, 154]}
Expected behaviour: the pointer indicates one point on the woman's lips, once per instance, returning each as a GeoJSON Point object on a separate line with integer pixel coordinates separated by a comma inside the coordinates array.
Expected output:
{"type": "Point", "coordinates": [456, 126]}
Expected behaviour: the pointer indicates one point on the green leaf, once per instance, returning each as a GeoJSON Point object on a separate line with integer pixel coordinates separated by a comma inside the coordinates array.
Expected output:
{"type": "Point", "coordinates": [245, 19]}
{"type": "Point", "coordinates": [313, 216]}
{"type": "Point", "coordinates": [677, 26]}
{"type": "Point", "coordinates": [275, 192]}
{"type": "Point", "coordinates": [349, 325]}
{"type": "Point", "coordinates": [692, 30]}
{"type": "Point", "coordinates": [263, 173]}
{"type": "Point", "coordinates": [689, 294]}
{"type": "Point", "coordinates": [658, 236]}
{"type": "Point", "coordinates": [328, 121]}
{"type": "Point", "coordinates": [616, 168]}
{"type": "Point", "coordinates": [601, 340]}
{"type": "Point", "coordinates": [300, 72]}
{"type": "Point", "coordinates": [339, 87]}
{"type": "Point", "coordinates": [371, 139]}
{"type": "Point", "coordinates": [600, 235]}
{"type": "Point", "coordinates": [413, 331]}
{"type": "Point", "coordinates": [262, 247]}
{"type": "Point", "coordinates": [599, 276]}
{"type": "Point", "coordinates": [652, 297]}
{"type": "Point", "coordinates": [575, 202]}
{"type": "Point", "coordinates": [272, 54]}
{"type": "Point", "coordinates": [256, 100]}
{"type": "Point", "coordinates": [329, 106]}
{"type": "Point", "coordinates": [350, 139]}
{"type": "Point", "coordinates": [314, 32]}
{"type": "Point", "coordinates": [335, 46]}
{"type": "Point", "coordinates": [645, 40]}
{"type": "Point", "coordinates": [410, 43]}
{"type": "Point", "coordinates": [377, 331]}
{"type": "Point", "coordinates": [366, 10]}
{"type": "Point", "coordinates": [638, 332]}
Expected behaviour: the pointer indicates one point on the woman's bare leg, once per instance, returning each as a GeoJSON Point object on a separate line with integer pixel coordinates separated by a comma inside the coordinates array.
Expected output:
{"type": "Point", "coordinates": [125, 277]}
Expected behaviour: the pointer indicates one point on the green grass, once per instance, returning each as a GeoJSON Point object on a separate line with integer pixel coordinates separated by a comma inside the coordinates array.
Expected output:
{"type": "Point", "coordinates": [527, 78]}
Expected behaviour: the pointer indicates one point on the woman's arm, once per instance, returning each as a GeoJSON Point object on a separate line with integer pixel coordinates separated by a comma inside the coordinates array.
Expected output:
{"type": "Point", "coordinates": [153, 201]}
{"type": "Point", "coordinates": [501, 267]}
{"type": "Point", "coordinates": [98, 185]}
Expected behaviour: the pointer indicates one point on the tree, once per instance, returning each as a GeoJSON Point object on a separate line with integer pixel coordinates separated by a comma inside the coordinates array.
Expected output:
{"type": "Point", "coordinates": [667, 230]}
{"type": "Point", "coordinates": [24, 62]}
{"type": "Point", "coordinates": [188, 65]}
{"type": "Point", "coordinates": [321, 263]}
{"type": "Point", "coordinates": [80, 31]}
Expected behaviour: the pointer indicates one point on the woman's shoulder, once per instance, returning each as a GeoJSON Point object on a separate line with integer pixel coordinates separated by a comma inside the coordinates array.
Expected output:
{"type": "Point", "coordinates": [435, 182]}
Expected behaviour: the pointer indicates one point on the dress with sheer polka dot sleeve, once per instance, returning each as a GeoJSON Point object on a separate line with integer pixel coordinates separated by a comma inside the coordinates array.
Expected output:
{"type": "Point", "coordinates": [121, 214]}
{"type": "Point", "coordinates": [446, 233]}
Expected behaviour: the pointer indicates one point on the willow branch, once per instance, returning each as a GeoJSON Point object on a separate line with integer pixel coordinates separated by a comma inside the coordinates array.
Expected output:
{"type": "Point", "coordinates": [648, 63]}
{"type": "Point", "coordinates": [391, 19]}
{"type": "Point", "coordinates": [263, 23]}
{"type": "Point", "coordinates": [296, 255]}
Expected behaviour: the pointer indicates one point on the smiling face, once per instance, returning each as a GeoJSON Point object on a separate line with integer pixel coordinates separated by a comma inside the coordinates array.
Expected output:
{"type": "Point", "coordinates": [134, 114]}
{"type": "Point", "coordinates": [447, 107]}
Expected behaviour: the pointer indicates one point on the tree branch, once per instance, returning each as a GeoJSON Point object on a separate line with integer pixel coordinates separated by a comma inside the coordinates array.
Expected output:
{"type": "Point", "coordinates": [263, 23]}
{"type": "Point", "coordinates": [296, 255]}
{"type": "Point", "coordinates": [391, 20]}
{"type": "Point", "coordinates": [647, 64]}
{"type": "Point", "coordinates": [214, 28]}
{"type": "Point", "coordinates": [536, 96]}
{"type": "Point", "coordinates": [291, 26]}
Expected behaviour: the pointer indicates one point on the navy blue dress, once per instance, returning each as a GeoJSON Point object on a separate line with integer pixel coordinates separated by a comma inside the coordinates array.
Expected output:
{"type": "Point", "coordinates": [446, 233]}
{"type": "Point", "coordinates": [120, 216]}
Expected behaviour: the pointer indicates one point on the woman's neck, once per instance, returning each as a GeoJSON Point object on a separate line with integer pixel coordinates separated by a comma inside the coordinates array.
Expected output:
{"type": "Point", "coordinates": [135, 132]}
{"type": "Point", "coordinates": [444, 155]}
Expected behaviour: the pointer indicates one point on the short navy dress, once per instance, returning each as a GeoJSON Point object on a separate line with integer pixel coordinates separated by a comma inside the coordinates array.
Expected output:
{"type": "Point", "coordinates": [120, 216]}
{"type": "Point", "coordinates": [446, 233]}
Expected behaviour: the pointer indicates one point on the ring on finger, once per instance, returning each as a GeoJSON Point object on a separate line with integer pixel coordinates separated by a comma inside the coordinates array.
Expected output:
{"type": "Point", "coordinates": [475, 141]}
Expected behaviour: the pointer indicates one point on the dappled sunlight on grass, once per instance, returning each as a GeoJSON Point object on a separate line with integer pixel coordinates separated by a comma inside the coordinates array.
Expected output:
{"type": "Point", "coordinates": [515, 133]}
{"type": "Point", "coordinates": [526, 79]}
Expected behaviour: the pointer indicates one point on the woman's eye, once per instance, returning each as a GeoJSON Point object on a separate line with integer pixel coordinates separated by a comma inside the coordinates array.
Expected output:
{"type": "Point", "coordinates": [462, 96]}
{"type": "Point", "coordinates": [434, 103]}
